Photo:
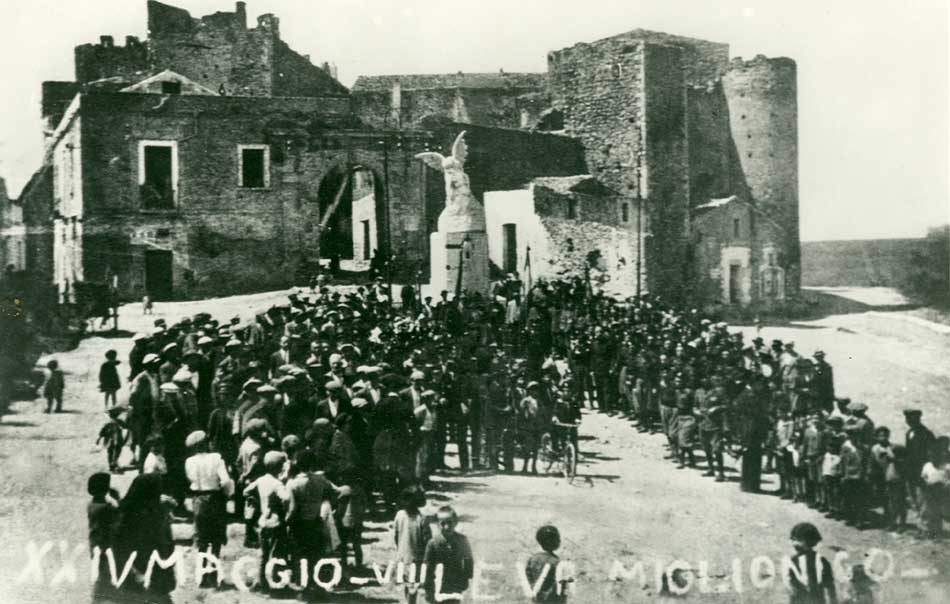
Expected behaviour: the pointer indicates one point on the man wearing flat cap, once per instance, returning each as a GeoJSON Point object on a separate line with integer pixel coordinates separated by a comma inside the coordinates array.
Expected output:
{"type": "Point", "coordinates": [140, 345]}
{"type": "Point", "coordinates": [249, 466]}
{"type": "Point", "coordinates": [532, 420]}
{"type": "Point", "coordinates": [281, 357]}
{"type": "Point", "coordinates": [143, 398]}
{"type": "Point", "coordinates": [369, 384]}
{"type": "Point", "coordinates": [823, 382]}
{"type": "Point", "coordinates": [864, 427]}
{"type": "Point", "coordinates": [842, 408]}
{"type": "Point", "coordinates": [273, 409]}
{"type": "Point", "coordinates": [199, 363]}
{"type": "Point", "coordinates": [412, 395]}
{"type": "Point", "coordinates": [790, 368]}
{"type": "Point", "coordinates": [247, 399]}
{"type": "Point", "coordinates": [334, 404]}
{"type": "Point", "coordinates": [337, 368]}
{"type": "Point", "coordinates": [918, 442]}
{"type": "Point", "coordinates": [261, 396]}
{"type": "Point", "coordinates": [854, 485]}
{"type": "Point", "coordinates": [776, 350]}
{"type": "Point", "coordinates": [752, 430]}
{"type": "Point", "coordinates": [211, 485]}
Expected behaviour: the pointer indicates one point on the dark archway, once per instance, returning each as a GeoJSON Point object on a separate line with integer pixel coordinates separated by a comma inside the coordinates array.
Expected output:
{"type": "Point", "coordinates": [551, 120]}
{"type": "Point", "coordinates": [356, 229]}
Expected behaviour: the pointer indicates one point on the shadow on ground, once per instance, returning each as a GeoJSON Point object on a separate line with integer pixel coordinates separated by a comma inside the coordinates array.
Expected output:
{"type": "Point", "coordinates": [815, 304]}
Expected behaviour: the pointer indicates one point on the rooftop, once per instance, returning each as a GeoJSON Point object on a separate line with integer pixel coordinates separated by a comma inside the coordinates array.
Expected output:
{"type": "Point", "coordinates": [451, 80]}
{"type": "Point", "coordinates": [716, 203]}
{"type": "Point", "coordinates": [571, 185]}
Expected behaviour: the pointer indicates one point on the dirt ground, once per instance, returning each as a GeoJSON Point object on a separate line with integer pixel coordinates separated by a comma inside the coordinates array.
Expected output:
{"type": "Point", "coordinates": [627, 505]}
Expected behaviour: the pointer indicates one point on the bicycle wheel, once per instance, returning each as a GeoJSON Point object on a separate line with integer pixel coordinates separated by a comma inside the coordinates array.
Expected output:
{"type": "Point", "coordinates": [569, 462]}
{"type": "Point", "coordinates": [546, 452]}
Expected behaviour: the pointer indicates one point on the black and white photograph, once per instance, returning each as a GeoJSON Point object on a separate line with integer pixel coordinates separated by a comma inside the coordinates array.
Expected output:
{"type": "Point", "coordinates": [414, 302]}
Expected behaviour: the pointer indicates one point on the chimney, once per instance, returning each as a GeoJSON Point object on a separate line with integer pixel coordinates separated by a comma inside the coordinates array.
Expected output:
{"type": "Point", "coordinates": [106, 41]}
{"type": "Point", "coordinates": [395, 103]}
{"type": "Point", "coordinates": [240, 10]}
{"type": "Point", "coordinates": [328, 67]}
{"type": "Point", "coordinates": [395, 95]}
{"type": "Point", "coordinates": [269, 22]}
{"type": "Point", "coordinates": [131, 40]}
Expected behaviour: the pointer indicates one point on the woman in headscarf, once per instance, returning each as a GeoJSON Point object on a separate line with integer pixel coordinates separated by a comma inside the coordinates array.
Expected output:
{"type": "Point", "coordinates": [143, 527]}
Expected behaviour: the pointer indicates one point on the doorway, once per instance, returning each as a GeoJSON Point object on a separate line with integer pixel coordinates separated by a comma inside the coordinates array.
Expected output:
{"type": "Point", "coordinates": [158, 186]}
{"type": "Point", "coordinates": [735, 272]}
{"type": "Point", "coordinates": [158, 274]}
{"type": "Point", "coordinates": [510, 247]}
{"type": "Point", "coordinates": [367, 242]}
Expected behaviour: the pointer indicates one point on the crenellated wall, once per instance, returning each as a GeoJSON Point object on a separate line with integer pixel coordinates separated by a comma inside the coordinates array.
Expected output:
{"type": "Point", "coordinates": [106, 60]}
{"type": "Point", "coordinates": [218, 51]}
{"type": "Point", "coordinates": [504, 100]}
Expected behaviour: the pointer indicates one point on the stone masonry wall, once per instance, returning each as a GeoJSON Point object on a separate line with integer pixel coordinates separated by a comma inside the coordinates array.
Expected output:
{"type": "Point", "coordinates": [703, 61]}
{"type": "Point", "coordinates": [219, 53]}
{"type": "Point", "coordinates": [570, 244]}
{"type": "Point", "coordinates": [599, 89]}
{"type": "Point", "coordinates": [561, 246]}
{"type": "Point", "coordinates": [714, 168]}
{"type": "Point", "coordinates": [587, 208]}
{"type": "Point", "coordinates": [667, 165]}
{"type": "Point", "coordinates": [295, 75]}
{"type": "Point", "coordinates": [498, 107]}
{"type": "Point", "coordinates": [56, 99]}
{"type": "Point", "coordinates": [226, 238]}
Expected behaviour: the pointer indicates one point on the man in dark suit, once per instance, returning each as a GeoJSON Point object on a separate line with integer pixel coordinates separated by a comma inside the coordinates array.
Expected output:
{"type": "Point", "coordinates": [411, 397]}
{"type": "Point", "coordinates": [918, 444]}
{"type": "Point", "coordinates": [823, 382]}
{"type": "Point", "coordinates": [281, 357]}
{"type": "Point", "coordinates": [334, 404]}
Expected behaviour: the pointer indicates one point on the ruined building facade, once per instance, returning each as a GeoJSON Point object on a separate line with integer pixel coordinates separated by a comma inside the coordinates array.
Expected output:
{"type": "Point", "coordinates": [203, 161]}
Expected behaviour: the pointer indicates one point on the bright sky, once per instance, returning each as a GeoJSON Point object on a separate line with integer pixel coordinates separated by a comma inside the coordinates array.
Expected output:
{"type": "Point", "coordinates": [873, 76]}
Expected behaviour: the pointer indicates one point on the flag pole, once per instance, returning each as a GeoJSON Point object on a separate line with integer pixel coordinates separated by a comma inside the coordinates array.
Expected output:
{"type": "Point", "coordinates": [458, 282]}
{"type": "Point", "coordinates": [526, 286]}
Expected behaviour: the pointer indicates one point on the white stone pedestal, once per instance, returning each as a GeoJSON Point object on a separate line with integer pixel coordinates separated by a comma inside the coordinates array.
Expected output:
{"type": "Point", "coordinates": [446, 258]}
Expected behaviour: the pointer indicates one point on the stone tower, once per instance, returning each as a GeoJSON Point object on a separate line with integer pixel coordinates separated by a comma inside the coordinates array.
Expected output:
{"type": "Point", "coordinates": [763, 117]}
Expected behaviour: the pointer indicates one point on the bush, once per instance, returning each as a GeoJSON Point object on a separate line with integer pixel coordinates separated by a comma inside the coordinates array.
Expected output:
{"type": "Point", "coordinates": [927, 278]}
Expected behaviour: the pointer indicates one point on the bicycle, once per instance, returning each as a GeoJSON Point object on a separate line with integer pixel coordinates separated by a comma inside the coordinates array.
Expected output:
{"type": "Point", "coordinates": [560, 451]}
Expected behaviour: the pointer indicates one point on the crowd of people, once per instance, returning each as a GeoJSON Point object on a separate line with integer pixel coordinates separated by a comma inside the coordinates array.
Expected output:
{"type": "Point", "coordinates": [303, 416]}
{"type": "Point", "coordinates": [768, 406]}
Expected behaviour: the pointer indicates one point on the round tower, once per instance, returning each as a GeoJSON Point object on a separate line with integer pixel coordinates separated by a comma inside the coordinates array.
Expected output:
{"type": "Point", "coordinates": [763, 115]}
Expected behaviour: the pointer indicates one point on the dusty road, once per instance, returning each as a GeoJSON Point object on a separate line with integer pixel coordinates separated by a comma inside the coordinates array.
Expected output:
{"type": "Point", "coordinates": [628, 505]}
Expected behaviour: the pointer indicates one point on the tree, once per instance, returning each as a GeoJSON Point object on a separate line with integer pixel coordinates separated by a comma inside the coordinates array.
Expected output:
{"type": "Point", "coordinates": [926, 278]}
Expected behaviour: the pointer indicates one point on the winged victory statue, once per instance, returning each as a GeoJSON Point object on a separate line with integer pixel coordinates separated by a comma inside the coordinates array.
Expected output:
{"type": "Point", "coordinates": [462, 211]}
